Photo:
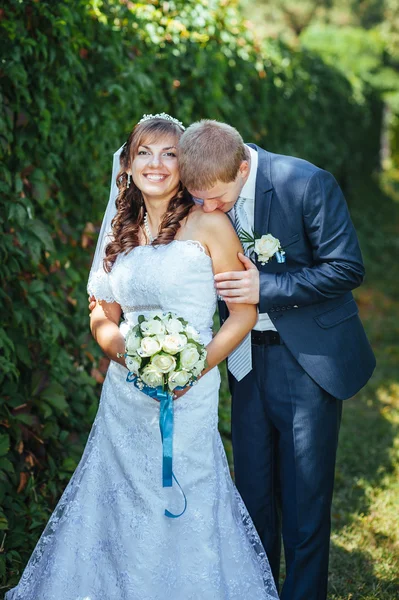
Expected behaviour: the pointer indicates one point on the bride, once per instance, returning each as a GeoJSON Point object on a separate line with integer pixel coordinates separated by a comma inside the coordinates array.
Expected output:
{"type": "Point", "coordinates": [109, 537]}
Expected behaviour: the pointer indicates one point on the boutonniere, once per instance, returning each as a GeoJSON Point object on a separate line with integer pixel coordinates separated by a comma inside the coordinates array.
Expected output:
{"type": "Point", "coordinates": [266, 246]}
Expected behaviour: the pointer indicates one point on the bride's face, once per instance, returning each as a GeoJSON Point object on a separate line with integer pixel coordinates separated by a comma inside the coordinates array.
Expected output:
{"type": "Point", "coordinates": [155, 169]}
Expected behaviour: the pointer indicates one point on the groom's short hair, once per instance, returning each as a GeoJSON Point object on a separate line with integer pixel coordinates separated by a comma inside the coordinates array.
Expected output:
{"type": "Point", "coordinates": [210, 151]}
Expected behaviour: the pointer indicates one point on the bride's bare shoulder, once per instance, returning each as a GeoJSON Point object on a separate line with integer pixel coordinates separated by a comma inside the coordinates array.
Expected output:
{"type": "Point", "coordinates": [209, 221]}
{"type": "Point", "coordinates": [209, 228]}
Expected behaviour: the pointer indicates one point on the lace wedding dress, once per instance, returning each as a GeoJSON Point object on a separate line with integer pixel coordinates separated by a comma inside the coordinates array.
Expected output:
{"type": "Point", "coordinates": [108, 538]}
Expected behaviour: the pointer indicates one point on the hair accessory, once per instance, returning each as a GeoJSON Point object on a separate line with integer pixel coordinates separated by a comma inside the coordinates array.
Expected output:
{"type": "Point", "coordinates": [163, 116]}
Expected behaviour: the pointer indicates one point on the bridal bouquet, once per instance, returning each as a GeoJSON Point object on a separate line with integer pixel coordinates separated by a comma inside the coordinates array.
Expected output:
{"type": "Point", "coordinates": [165, 352]}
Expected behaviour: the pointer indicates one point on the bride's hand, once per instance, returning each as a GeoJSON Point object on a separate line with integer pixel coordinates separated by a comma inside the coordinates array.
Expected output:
{"type": "Point", "coordinates": [92, 303]}
{"type": "Point", "coordinates": [177, 394]}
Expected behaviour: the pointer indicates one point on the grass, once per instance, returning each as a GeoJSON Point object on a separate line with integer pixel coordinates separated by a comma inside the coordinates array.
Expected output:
{"type": "Point", "coordinates": [364, 558]}
{"type": "Point", "coordinates": [365, 537]}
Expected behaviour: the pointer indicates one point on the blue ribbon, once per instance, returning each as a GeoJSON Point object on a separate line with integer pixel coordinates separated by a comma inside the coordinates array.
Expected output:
{"type": "Point", "coordinates": [167, 512]}
{"type": "Point", "coordinates": [166, 426]}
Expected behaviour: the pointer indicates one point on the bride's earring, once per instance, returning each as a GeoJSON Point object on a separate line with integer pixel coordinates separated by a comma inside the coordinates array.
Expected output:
{"type": "Point", "coordinates": [128, 180]}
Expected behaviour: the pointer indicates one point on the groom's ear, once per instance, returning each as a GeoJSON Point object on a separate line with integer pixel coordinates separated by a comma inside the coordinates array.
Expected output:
{"type": "Point", "coordinates": [244, 169]}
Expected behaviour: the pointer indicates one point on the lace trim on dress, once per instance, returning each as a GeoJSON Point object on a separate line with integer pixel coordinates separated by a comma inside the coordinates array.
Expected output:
{"type": "Point", "coordinates": [252, 534]}
{"type": "Point", "coordinates": [196, 244]}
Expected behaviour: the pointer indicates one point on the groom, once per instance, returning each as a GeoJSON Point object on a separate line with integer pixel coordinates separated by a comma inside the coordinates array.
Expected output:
{"type": "Point", "coordinates": [308, 351]}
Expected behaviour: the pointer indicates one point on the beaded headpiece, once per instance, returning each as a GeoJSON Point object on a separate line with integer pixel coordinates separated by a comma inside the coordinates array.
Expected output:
{"type": "Point", "coordinates": [163, 116]}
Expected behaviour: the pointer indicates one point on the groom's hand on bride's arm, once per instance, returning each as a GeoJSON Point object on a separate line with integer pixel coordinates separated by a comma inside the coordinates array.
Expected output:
{"type": "Point", "coordinates": [239, 287]}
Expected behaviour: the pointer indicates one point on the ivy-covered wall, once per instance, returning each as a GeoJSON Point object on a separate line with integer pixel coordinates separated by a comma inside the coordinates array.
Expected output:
{"type": "Point", "coordinates": [75, 75]}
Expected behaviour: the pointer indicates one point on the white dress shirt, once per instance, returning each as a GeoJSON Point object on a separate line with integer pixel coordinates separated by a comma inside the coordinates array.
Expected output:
{"type": "Point", "coordinates": [248, 193]}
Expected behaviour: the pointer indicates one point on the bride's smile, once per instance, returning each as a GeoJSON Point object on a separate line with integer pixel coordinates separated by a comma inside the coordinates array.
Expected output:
{"type": "Point", "coordinates": [155, 169]}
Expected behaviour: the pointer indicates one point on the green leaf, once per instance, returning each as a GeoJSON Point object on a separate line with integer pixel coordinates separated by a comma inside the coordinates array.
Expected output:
{"type": "Point", "coordinates": [23, 354]}
{"type": "Point", "coordinates": [4, 444]}
{"type": "Point", "coordinates": [40, 186]}
{"type": "Point", "coordinates": [38, 381]}
{"type": "Point", "coordinates": [69, 464]}
{"type": "Point", "coordinates": [6, 465]}
{"type": "Point", "coordinates": [39, 229]}
{"type": "Point", "coordinates": [36, 286]}
{"type": "Point", "coordinates": [17, 213]}
{"type": "Point", "coordinates": [24, 418]}
{"type": "Point", "coordinates": [50, 430]}
{"type": "Point", "coordinates": [2, 563]}
{"type": "Point", "coordinates": [5, 342]}
{"type": "Point", "coordinates": [55, 396]}
{"type": "Point", "coordinates": [3, 521]}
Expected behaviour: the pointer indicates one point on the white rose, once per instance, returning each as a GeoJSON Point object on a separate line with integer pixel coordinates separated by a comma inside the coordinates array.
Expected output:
{"type": "Point", "coordinates": [152, 327]}
{"type": "Point", "coordinates": [133, 363]}
{"type": "Point", "coordinates": [173, 343]}
{"type": "Point", "coordinates": [164, 362]}
{"type": "Point", "coordinates": [149, 346]}
{"type": "Point", "coordinates": [266, 247]}
{"type": "Point", "coordinates": [132, 341]}
{"type": "Point", "coordinates": [174, 325]}
{"type": "Point", "coordinates": [179, 378]}
{"type": "Point", "coordinates": [198, 367]}
{"type": "Point", "coordinates": [192, 333]}
{"type": "Point", "coordinates": [151, 376]}
{"type": "Point", "coordinates": [189, 356]}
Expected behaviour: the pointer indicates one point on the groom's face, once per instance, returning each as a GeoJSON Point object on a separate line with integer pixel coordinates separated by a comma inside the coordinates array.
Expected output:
{"type": "Point", "coordinates": [222, 195]}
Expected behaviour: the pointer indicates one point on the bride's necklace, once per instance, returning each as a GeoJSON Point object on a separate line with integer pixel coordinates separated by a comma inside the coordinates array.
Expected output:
{"type": "Point", "coordinates": [147, 229]}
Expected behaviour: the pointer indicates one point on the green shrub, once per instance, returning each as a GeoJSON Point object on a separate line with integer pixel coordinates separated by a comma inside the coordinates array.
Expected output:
{"type": "Point", "coordinates": [75, 76]}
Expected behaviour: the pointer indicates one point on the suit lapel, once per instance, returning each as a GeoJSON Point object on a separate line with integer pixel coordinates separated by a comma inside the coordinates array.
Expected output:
{"type": "Point", "coordinates": [263, 192]}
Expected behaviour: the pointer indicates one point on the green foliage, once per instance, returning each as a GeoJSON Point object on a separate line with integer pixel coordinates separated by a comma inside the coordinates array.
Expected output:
{"type": "Point", "coordinates": [362, 56]}
{"type": "Point", "coordinates": [360, 38]}
{"type": "Point", "coordinates": [357, 52]}
{"type": "Point", "coordinates": [75, 76]}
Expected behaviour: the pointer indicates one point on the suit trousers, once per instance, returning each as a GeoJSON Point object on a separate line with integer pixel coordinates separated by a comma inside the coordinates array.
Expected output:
{"type": "Point", "coordinates": [285, 434]}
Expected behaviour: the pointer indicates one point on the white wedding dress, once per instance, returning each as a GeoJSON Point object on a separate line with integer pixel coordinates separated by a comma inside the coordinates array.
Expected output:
{"type": "Point", "coordinates": [108, 538]}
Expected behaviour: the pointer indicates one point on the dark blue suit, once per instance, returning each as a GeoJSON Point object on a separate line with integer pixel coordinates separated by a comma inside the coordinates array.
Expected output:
{"type": "Point", "coordinates": [286, 413]}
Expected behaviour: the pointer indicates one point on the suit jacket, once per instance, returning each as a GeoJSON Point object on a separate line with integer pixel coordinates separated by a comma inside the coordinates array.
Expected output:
{"type": "Point", "coordinates": [309, 297]}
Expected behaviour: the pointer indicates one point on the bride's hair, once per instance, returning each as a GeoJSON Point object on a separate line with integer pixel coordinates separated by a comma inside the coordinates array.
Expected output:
{"type": "Point", "coordinates": [130, 206]}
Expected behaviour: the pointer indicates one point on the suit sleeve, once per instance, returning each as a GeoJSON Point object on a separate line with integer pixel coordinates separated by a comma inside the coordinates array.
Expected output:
{"type": "Point", "coordinates": [337, 261]}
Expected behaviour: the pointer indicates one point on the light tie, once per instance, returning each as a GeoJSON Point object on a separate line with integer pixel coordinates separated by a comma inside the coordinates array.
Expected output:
{"type": "Point", "coordinates": [239, 362]}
